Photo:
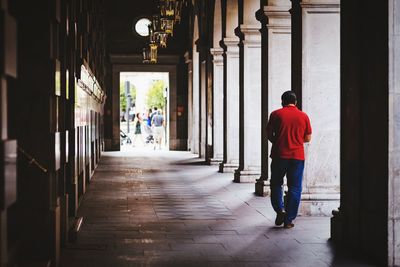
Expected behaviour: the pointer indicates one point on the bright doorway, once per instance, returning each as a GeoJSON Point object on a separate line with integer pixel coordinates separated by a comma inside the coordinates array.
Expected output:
{"type": "Point", "coordinates": [144, 98]}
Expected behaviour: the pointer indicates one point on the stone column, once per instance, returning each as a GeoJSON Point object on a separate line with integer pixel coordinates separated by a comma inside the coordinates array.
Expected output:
{"type": "Point", "coordinates": [277, 69]}
{"type": "Point", "coordinates": [218, 88]}
{"type": "Point", "coordinates": [196, 94]}
{"type": "Point", "coordinates": [319, 92]}
{"type": "Point", "coordinates": [231, 42]}
{"type": "Point", "coordinates": [203, 110]}
{"type": "Point", "coordinates": [250, 120]}
{"type": "Point", "coordinates": [218, 105]}
{"type": "Point", "coordinates": [367, 220]}
{"type": "Point", "coordinates": [196, 105]}
{"type": "Point", "coordinates": [232, 105]}
{"type": "Point", "coordinates": [394, 135]}
{"type": "Point", "coordinates": [189, 63]}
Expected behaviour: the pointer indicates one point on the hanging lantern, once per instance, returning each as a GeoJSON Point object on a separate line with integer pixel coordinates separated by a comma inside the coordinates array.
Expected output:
{"type": "Point", "coordinates": [168, 25]}
{"type": "Point", "coordinates": [162, 39]}
{"type": "Point", "coordinates": [156, 24]}
{"type": "Point", "coordinates": [163, 8]}
{"type": "Point", "coordinates": [153, 53]}
{"type": "Point", "coordinates": [152, 35]}
{"type": "Point", "coordinates": [169, 8]}
{"type": "Point", "coordinates": [178, 10]}
{"type": "Point", "coordinates": [146, 55]}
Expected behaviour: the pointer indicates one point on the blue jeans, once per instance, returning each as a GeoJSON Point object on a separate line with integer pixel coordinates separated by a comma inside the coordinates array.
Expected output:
{"type": "Point", "coordinates": [293, 169]}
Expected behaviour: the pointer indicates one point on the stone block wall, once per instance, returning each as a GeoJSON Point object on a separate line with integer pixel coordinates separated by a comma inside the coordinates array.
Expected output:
{"type": "Point", "coordinates": [50, 106]}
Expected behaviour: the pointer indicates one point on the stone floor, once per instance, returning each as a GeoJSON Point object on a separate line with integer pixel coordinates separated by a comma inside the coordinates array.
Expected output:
{"type": "Point", "coordinates": [160, 208]}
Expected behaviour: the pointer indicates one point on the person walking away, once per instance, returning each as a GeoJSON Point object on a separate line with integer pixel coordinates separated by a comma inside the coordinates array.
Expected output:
{"type": "Point", "coordinates": [158, 125]}
{"type": "Point", "coordinates": [137, 123]}
{"type": "Point", "coordinates": [288, 129]}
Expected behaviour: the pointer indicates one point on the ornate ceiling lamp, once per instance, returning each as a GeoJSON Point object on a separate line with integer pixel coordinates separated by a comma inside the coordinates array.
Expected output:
{"type": "Point", "coordinates": [168, 25]}
{"type": "Point", "coordinates": [178, 10]}
{"type": "Point", "coordinates": [162, 39]}
{"type": "Point", "coordinates": [153, 53]}
{"type": "Point", "coordinates": [162, 26]}
{"type": "Point", "coordinates": [146, 55]}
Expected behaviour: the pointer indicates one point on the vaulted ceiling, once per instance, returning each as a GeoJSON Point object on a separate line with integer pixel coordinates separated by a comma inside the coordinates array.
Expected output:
{"type": "Point", "coordinates": [120, 17]}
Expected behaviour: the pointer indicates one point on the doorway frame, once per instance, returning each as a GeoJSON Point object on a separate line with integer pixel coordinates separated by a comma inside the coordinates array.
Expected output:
{"type": "Point", "coordinates": [124, 63]}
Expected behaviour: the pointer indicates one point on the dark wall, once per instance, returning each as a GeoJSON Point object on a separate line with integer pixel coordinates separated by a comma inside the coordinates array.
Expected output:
{"type": "Point", "coordinates": [56, 153]}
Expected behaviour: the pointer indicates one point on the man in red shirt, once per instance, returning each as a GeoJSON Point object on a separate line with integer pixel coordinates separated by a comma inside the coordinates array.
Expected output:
{"type": "Point", "coordinates": [288, 129]}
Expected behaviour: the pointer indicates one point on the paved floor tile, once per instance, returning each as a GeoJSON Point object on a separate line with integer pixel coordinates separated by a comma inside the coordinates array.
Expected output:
{"type": "Point", "coordinates": [160, 208]}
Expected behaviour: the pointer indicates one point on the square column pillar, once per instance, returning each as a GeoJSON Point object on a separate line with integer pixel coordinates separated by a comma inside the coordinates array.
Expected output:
{"type": "Point", "coordinates": [203, 109]}
{"type": "Point", "coordinates": [196, 104]}
{"type": "Point", "coordinates": [189, 63]}
{"type": "Point", "coordinates": [250, 121]}
{"type": "Point", "coordinates": [394, 136]}
{"type": "Point", "coordinates": [232, 105]}
{"type": "Point", "coordinates": [218, 106]}
{"type": "Point", "coordinates": [277, 69]}
{"type": "Point", "coordinates": [318, 58]}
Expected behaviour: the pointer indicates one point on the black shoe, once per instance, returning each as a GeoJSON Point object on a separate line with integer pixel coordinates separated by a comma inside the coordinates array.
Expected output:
{"type": "Point", "coordinates": [280, 217]}
{"type": "Point", "coordinates": [288, 225]}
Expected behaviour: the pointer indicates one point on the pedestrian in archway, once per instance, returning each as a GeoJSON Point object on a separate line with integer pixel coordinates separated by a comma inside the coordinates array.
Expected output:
{"type": "Point", "coordinates": [288, 129]}
{"type": "Point", "coordinates": [137, 123]}
{"type": "Point", "coordinates": [158, 124]}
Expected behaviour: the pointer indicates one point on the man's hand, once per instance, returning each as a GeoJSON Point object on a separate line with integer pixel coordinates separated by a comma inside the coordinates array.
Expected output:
{"type": "Point", "coordinates": [307, 138]}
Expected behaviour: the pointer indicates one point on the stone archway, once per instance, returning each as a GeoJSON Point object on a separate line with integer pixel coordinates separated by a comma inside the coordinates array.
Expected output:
{"type": "Point", "coordinates": [122, 63]}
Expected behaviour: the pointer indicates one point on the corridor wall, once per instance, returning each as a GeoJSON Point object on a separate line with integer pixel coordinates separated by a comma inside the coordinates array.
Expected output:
{"type": "Point", "coordinates": [54, 112]}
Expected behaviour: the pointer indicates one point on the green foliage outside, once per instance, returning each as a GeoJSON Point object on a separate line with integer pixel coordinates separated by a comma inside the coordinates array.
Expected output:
{"type": "Point", "coordinates": [122, 95]}
{"type": "Point", "coordinates": [155, 95]}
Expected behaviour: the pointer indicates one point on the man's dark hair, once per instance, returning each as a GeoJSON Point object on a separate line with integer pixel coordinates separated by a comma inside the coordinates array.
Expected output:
{"type": "Point", "coordinates": [155, 108]}
{"type": "Point", "coordinates": [289, 97]}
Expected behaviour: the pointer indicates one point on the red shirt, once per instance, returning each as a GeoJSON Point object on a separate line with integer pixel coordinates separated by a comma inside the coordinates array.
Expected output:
{"type": "Point", "coordinates": [288, 126]}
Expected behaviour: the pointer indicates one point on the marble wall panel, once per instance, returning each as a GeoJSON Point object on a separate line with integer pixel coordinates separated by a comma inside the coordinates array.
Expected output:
{"type": "Point", "coordinates": [321, 97]}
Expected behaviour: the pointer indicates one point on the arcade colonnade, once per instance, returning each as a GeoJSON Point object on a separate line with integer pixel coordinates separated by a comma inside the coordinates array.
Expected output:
{"type": "Point", "coordinates": [341, 60]}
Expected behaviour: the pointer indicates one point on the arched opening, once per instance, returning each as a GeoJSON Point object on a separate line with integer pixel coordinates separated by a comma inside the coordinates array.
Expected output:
{"type": "Point", "coordinates": [144, 95]}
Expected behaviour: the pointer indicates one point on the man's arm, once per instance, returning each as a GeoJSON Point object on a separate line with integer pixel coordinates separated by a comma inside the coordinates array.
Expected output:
{"type": "Point", "coordinates": [271, 135]}
{"type": "Point", "coordinates": [307, 138]}
{"type": "Point", "coordinates": [270, 131]}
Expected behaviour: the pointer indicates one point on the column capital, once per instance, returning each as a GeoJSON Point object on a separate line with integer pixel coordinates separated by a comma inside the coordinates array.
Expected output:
{"type": "Point", "coordinates": [250, 29]}
{"type": "Point", "coordinates": [279, 17]}
{"type": "Point", "coordinates": [231, 41]}
{"type": "Point", "coordinates": [232, 45]}
{"type": "Point", "coordinates": [217, 53]}
{"type": "Point", "coordinates": [251, 34]}
{"type": "Point", "coordinates": [319, 3]}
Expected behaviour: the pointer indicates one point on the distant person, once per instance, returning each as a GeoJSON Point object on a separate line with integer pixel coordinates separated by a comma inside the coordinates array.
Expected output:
{"type": "Point", "coordinates": [137, 123]}
{"type": "Point", "coordinates": [288, 129]}
{"type": "Point", "coordinates": [123, 115]}
{"type": "Point", "coordinates": [149, 113]}
{"type": "Point", "coordinates": [153, 113]}
{"type": "Point", "coordinates": [158, 124]}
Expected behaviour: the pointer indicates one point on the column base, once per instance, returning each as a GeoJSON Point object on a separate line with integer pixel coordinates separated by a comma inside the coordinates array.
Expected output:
{"type": "Point", "coordinates": [319, 204]}
{"type": "Point", "coordinates": [336, 226]}
{"type": "Point", "coordinates": [262, 188]}
{"type": "Point", "coordinates": [246, 176]}
{"type": "Point", "coordinates": [215, 161]}
{"type": "Point", "coordinates": [228, 167]}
